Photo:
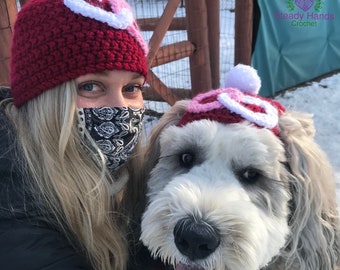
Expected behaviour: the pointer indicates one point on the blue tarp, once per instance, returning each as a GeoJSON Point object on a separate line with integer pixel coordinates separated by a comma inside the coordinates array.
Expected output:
{"type": "Point", "coordinates": [297, 40]}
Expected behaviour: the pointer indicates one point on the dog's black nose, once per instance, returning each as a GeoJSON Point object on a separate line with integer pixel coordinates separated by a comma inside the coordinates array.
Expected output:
{"type": "Point", "coordinates": [196, 239]}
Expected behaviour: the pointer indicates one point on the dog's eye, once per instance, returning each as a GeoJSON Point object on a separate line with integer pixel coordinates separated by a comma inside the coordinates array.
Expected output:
{"type": "Point", "coordinates": [186, 160]}
{"type": "Point", "coordinates": [249, 175]}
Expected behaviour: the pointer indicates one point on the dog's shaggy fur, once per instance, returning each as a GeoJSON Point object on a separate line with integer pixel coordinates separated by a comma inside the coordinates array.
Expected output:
{"type": "Point", "coordinates": [237, 197]}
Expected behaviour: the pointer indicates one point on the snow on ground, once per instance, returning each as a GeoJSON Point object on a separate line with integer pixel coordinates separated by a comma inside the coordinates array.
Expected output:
{"type": "Point", "coordinates": [322, 99]}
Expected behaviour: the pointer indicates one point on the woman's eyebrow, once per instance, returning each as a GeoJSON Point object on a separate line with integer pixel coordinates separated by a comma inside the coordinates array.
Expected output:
{"type": "Point", "coordinates": [107, 73]}
{"type": "Point", "coordinates": [102, 73]}
{"type": "Point", "coordinates": [137, 76]}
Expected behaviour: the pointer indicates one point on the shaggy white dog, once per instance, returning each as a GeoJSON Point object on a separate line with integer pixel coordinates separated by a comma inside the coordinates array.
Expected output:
{"type": "Point", "coordinates": [239, 197]}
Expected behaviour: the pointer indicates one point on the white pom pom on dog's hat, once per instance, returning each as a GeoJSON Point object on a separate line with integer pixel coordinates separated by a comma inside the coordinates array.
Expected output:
{"type": "Point", "coordinates": [244, 78]}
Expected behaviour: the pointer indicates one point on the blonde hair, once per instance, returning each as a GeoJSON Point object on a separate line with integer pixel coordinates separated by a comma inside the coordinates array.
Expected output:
{"type": "Point", "coordinates": [74, 184]}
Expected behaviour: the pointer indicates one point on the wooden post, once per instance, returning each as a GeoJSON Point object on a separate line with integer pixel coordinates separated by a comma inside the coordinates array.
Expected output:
{"type": "Point", "coordinates": [243, 31]}
{"type": "Point", "coordinates": [8, 11]}
{"type": "Point", "coordinates": [197, 22]}
{"type": "Point", "coordinates": [213, 9]}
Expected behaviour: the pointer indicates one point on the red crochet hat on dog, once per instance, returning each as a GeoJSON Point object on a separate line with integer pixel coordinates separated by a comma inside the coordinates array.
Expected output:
{"type": "Point", "coordinates": [238, 102]}
{"type": "Point", "coordinates": [58, 40]}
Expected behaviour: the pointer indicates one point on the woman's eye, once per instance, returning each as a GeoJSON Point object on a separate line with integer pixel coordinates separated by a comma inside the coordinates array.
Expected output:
{"type": "Point", "coordinates": [133, 88]}
{"type": "Point", "coordinates": [89, 87]}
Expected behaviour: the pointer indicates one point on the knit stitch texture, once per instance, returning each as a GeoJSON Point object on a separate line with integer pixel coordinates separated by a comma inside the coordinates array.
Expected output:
{"type": "Point", "coordinates": [207, 106]}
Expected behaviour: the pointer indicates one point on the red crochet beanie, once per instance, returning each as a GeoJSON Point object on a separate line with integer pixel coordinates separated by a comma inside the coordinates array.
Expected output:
{"type": "Point", "coordinates": [58, 40]}
{"type": "Point", "coordinates": [236, 103]}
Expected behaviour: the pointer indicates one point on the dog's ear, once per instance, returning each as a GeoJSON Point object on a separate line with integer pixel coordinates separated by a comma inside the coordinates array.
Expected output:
{"type": "Point", "coordinates": [306, 159]}
{"type": "Point", "coordinates": [170, 118]}
{"type": "Point", "coordinates": [314, 220]}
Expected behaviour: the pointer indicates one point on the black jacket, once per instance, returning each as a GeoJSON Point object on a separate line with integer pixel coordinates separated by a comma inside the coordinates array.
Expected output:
{"type": "Point", "coordinates": [28, 239]}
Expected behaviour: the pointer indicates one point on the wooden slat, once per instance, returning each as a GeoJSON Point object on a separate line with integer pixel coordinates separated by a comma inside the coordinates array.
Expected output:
{"type": "Point", "coordinates": [161, 28]}
{"type": "Point", "coordinates": [180, 93]}
{"type": "Point", "coordinates": [12, 10]}
{"type": "Point", "coordinates": [8, 11]}
{"type": "Point", "coordinates": [160, 88]}
{"type": "Point", "coordinates": [149, 24]}
{"type": "Point", "coordinates": [173, 52]}
{"type": "Point", "coordinates": [5, 41]}
{"type": "Point", "coordinates": [4, 72]}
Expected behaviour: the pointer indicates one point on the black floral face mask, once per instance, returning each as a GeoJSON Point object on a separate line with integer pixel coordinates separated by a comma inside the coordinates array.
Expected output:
{"type": "Point", "coordinates": [114, 129]}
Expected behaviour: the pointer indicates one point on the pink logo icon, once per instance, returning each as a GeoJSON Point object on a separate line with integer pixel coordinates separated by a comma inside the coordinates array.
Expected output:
{"type": "Point", "coordinates": [304, 4]}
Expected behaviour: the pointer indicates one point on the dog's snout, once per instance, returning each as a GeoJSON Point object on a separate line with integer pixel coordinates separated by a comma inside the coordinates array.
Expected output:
{"type": "Point", "coordinates": [196, 239]}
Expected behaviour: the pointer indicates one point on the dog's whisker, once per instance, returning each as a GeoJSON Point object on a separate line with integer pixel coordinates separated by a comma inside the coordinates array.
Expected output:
{"type": "Point", "coordinates": [167, 156]}
{"type": "Point", "coordinates": [277, 182]}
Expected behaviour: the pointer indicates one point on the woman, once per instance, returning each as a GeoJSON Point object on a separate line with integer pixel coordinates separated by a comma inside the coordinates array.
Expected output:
{"type": "Point", "coordinates": [68, 133]}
